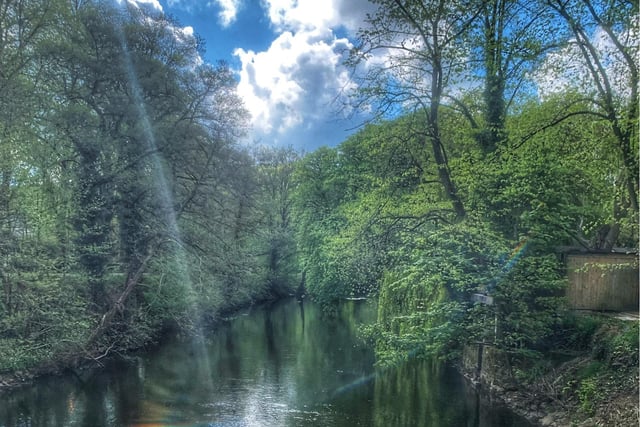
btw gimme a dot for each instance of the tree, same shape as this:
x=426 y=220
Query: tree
x=25 y=159
x=275 y=167
x=125 y=201
x=318 y=193
x=149 y=126
x=508 y=40
x=422 y=49
x=605 y=36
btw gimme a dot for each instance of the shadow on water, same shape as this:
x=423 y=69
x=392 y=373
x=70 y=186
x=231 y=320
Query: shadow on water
x=283 y=365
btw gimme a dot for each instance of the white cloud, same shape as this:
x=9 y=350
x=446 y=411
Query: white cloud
x=187 y=31
x=567 y=69
x=155 y=4
x=176 y=3
x=300 y=15
x=226 y=16
x=292 y=84
x=290 y=88
x=229 y=11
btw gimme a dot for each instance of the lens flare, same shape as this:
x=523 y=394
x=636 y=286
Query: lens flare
x=515 y=255
x=162 y=188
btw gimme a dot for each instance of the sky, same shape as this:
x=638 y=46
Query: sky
x=287 y=56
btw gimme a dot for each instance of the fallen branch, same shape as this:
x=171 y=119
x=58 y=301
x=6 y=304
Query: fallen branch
x=133 y=278
x=103 y=355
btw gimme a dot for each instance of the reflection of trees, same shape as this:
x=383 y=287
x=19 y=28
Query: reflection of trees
x=96 y=399
x=179 y=376
x=329 y=355
x=417 y=392
x=429 y=394
x=301 y=304
x=259 y=368
x=43 y=406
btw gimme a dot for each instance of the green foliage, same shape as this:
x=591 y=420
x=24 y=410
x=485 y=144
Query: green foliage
x=423 y=302
x=578 y=331
x=375 y=196
x=617 y=343
x=528 y=302
x=587 y=394
x=275 y=169
x=169 y=294
x=125 y=205
x=329 y=251
x=46 y=321
x=429 y=326
x=430 y=300
x=610 y=368
x=625 y=346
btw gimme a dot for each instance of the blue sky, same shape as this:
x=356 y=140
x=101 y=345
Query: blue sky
x=287 y=55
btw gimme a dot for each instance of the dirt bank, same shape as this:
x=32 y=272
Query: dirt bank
x=597 y=385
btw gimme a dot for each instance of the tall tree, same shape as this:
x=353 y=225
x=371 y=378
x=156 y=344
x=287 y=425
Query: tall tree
x=149 y=125
x=508 y=39
x=25 y=157
x=421 y=52
x=605 y=35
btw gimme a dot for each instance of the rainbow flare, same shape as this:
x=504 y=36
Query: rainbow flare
x=515 y=255
x=510 y=262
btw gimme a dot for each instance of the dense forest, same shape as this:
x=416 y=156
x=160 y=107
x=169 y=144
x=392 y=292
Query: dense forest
x=474 y=191
x=126 y=203
x=503 y=131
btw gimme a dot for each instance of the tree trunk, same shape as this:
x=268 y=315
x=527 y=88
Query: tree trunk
x=433 y=122
x=445 y=178
x=494 y=85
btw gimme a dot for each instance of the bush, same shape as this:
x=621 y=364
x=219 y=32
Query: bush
x=587 y=394
x=52 y=324
x=583 y=328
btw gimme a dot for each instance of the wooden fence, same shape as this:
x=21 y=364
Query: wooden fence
x=603 y=281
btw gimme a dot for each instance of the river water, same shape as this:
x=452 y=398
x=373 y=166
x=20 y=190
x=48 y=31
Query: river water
x=282 y=365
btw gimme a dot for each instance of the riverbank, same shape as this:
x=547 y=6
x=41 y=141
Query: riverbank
x=81 y=361
x=595 y=386
x=616 y=406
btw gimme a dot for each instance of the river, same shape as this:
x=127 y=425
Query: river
x=279 y=365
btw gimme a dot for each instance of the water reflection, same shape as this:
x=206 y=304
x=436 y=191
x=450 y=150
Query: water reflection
x=286 y=365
